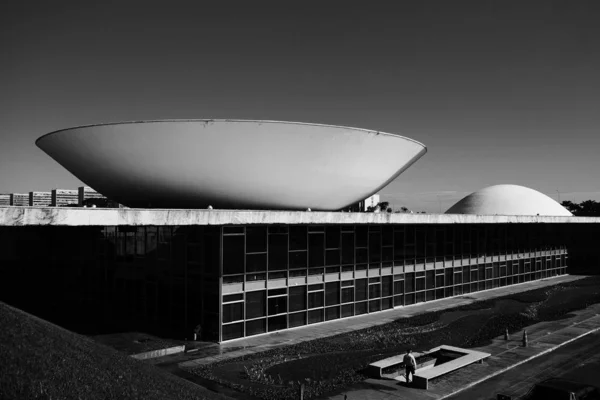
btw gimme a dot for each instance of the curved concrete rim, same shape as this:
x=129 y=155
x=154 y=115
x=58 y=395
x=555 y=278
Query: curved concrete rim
x=206 y=120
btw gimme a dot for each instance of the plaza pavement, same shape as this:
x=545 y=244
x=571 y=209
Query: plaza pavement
x=543 y=338
x=208 y=353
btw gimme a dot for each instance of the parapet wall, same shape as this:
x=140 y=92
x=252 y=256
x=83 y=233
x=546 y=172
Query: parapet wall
x=58 y=216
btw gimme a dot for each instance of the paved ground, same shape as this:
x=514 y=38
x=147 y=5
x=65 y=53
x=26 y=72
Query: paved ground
x=210 y=352
x=578 y=360
x=544 y=337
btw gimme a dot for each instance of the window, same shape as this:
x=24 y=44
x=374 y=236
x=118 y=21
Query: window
x=297 y=298
x=277 y=305
x=256 y=304
x=298 y=240
x=332 y=293
x=386 y=286
x=315 y=299
x=316 y=250
x=233 y=312
x=255 y=262
x=256 y=239
x=233 y=331
x=360 y=289
x=233 y=255
x=255 y=327
x=347 y=295
x=278 y=252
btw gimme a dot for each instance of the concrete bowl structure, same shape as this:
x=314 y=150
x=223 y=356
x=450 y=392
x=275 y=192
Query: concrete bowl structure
x=232 y=163
x=508 y=200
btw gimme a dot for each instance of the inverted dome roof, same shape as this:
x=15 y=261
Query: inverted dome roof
x=232 y=163
x=508 y=200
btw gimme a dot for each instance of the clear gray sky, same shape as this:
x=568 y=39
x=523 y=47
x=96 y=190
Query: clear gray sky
x=499 y=91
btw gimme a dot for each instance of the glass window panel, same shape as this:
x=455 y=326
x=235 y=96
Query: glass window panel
x=374 y=305
x=360 y=286
x=315 y=316
x=348 y=295
x=278 y=252
x=256 y=262
x=409 y=282
x=233 y=255
x=297 y=319
x=316 y=286
x=398 y=245
x=233 y=312
x=315 y=299
x=439 y=281
x=374 y=247
x=360 y=308
x=430 y=279
x=374 y=291
x=278 y=275
x=256 y=327
x=233 y=229
x=332 y=257
x=277 y=292
x=277 y=323
x=297 y=273
x=420 y=284
x=399 y=287
x=332 y=313
x=332 y=237
x=361 y=256
x=386 y=286
x=316 y=250
x=347 y=248
x=298 y=259
x=387 y=254
x=362 y=234
x=347 y=310
x=332 y=293
x=398 y=301
x=297 y=298
x=233 y=297
x=256 y=239
x=277 y=305
x=387 y=235
x=298 y=240
x=256 y=304
x=233 y=331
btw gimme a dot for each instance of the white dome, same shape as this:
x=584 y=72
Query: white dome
x=508 y=200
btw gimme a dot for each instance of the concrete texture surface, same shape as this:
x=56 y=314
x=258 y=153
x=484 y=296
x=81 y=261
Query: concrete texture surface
x=59 y=216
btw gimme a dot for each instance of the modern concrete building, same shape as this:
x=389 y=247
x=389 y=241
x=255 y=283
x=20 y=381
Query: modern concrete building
x=508 y=200
x=232 y=163
x=240 y=273
x=19 y=199
x=243 y=273
x=64 y=197
x=43 y=199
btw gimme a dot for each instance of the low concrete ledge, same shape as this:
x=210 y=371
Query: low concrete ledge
x=61 y=216
x=424 y=375
x=159 y=353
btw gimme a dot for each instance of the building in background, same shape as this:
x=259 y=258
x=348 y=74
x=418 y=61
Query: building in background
x=19 y=199
x=42 y=199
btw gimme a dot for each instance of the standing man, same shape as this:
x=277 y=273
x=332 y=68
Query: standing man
x=410 y=364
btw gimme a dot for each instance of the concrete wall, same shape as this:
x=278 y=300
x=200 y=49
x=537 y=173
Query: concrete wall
x=17 y=216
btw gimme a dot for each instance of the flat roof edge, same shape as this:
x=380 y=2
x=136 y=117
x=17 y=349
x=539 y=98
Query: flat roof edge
x=61 y=216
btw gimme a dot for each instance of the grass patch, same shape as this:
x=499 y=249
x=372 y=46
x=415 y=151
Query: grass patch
x=39 y=360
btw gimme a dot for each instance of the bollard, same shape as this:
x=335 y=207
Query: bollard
x=302 y=391
x=506 y=337
x=525 y=338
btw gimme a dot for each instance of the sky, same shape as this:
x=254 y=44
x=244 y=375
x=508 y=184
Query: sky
x=499 y=91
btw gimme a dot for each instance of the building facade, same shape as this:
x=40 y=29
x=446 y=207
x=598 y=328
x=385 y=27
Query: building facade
x=241 y=274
